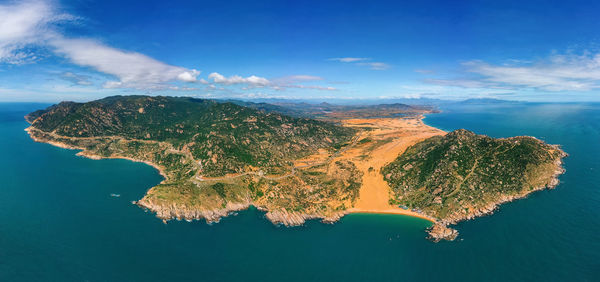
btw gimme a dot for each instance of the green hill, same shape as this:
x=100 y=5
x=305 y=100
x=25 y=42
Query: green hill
x=215 y=157
x=224 y=137
x=462 y=175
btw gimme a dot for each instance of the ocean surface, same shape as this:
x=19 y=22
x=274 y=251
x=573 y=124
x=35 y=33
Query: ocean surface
x=59 y=222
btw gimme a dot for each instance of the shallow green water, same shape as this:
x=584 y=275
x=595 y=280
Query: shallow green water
x=58 y=221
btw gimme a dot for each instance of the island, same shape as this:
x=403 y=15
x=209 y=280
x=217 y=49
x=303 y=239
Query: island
x=298 y=161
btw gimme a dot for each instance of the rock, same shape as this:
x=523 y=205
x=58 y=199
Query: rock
x=440 y=231
x=176 y=212
x=296 y=219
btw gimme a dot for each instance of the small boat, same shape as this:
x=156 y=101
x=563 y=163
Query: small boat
x=115 y=195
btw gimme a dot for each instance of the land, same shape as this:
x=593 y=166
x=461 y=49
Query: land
x=462 y=175
x=382 y=140
x=301 y=162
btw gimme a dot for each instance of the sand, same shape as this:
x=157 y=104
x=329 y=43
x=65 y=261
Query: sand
x=394 y=136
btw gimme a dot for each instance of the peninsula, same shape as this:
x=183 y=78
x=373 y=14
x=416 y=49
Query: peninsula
x=302 y=161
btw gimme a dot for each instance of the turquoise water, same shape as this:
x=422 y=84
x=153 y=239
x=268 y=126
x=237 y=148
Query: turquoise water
x=58 y=221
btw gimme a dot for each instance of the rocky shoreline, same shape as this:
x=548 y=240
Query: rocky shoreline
x=85 y=153
x=286 y=218
x=277 y=217
x=438 y=231
x=166 y=213
x=171 y=212
x=441 y=231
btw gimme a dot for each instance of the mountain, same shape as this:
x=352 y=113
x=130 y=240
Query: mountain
x=327 y=111
x=487 y=101
x=236 y=136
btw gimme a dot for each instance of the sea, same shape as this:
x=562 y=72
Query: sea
x=68 y=218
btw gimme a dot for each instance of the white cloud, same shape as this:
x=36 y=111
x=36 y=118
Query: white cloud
x=278 y=84
x=559 y=72
x=465 y=83
x=25 y=24
x=30 y=24
x=77 y=79
x=362 y=62
x=294 y=79
x=189 y=76
x=299 y=86
x=375 y=65
x=236 y=79
x=133 y=70
x=255 y=80
x=301 y=78
x=424 y=71
x=349 y=59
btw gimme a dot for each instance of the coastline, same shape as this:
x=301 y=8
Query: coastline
x=374 y=187
x=393 y=211
x=212 y=216
x=87 y=154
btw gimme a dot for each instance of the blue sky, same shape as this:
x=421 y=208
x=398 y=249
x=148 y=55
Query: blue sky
x=83 y=50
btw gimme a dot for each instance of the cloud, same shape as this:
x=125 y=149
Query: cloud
x=424 y=71
x=301 y=78
x=293 y=79
x=236 y=79
x=278 y=84
x=29 y=25
x=558 y=72
x=464 y=83
x=349 y=59
x=133 y=70
x=299 y=86
x=189 y=76
x=362 y=62
x=375 y=65
x=76 y=79
x=23 y=25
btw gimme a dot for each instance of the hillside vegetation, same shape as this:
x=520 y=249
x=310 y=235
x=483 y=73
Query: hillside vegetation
x=215 y=157
x=222 y=137
x=462 y=174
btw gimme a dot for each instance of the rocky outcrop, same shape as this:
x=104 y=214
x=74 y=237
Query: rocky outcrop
x=169 y=212
x=440 y=231
x=279 y=217
x=286 y=218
